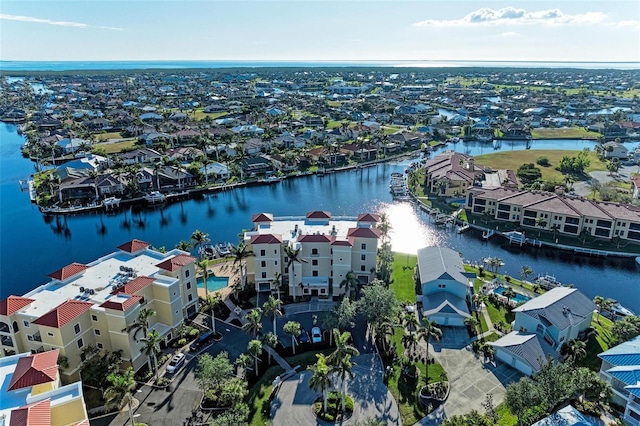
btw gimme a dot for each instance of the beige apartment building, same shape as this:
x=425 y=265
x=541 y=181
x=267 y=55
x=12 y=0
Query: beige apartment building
x=92 y=304
x=329 y=248
x=559 y=213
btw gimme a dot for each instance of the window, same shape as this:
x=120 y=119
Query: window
x=363 y=257
x=442 y=286
x=96 y=331
x=363 y=246
x=94 y=318
x=80 y=343
x=314 y=252
x=275 y=252
x=190 y=297
x=175 y=293
x=76 y=328
x=186 y=273
x=314 y=273
x=275 y=263
x=100 y=346
x=50 y=334
x=263 y=264
x=323 y=291
x=189 y=285
x=26 y=323
x=263 y=275
x=30 y=338
x=362 y=268
x=314 y=262
x=263 y=252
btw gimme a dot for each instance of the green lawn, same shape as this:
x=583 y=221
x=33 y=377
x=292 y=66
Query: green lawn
x=598 y=342
x=564 y=133
x=112 y=148
x=499 y=314
x=199 y=114
x=403 y=283
x=100 y=137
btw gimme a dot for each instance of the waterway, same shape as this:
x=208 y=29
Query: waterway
x=33 y=245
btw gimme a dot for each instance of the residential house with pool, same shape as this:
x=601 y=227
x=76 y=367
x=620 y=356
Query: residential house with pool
x=93 y=303
x=541 y=326
x=328 y=249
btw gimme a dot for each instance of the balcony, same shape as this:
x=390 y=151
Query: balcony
x=6 y=341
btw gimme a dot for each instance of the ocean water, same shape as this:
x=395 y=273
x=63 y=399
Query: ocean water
x=177 y=64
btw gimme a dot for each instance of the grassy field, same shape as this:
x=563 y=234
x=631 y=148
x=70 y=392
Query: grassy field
x=101 y=137
x=199 y=114
x=514 y=159
x=112 y=148
x=564 y=133
x=403 y=283
x=598 y=342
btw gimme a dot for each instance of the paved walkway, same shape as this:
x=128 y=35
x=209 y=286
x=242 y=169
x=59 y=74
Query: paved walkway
x=292 y=404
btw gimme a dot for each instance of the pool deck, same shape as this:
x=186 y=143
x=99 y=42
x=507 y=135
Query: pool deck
x=224 y=269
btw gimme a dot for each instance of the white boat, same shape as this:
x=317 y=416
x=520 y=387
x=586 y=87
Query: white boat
x=272 y=179
x=111 y=203
x=547 y=281
x=224 y=249
x=155 y=197
x=616 y=310
x=462 y=228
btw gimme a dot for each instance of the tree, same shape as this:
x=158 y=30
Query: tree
x=321 y=379
x=343 y=348
x=601 y=303
x=119 y=393
x=183 y=245
x=378 y=305
x=410 y=321
x=345 y=314
x=254 y=348
x=342 y=368
x=293 y=257
x=212 y=372
x=349 y=283
x=409 y=341
x=203 y=265
x=209 y=305
x=199 y=238
x=240 y=254
x=270 y=340
x=253 y=326
x=472 y=324
x=625 y=329
x=429 y=331
x=97 y=366
x=525 y=272
x=528 y=173
x=292 y=328
x=140 y=324
x=509 y=294
x=272 y=308
x=574 y=350
x=541 y=222
x=242 y=362
x=151 y=348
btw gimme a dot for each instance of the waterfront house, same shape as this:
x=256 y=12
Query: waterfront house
x=32 y=393
x=140 y=156
x=615 y=150
x=329 y=248
x=621 y=369
x=71 y=145
x=91 y=304
x=541 y=326
x=257 y=166
x=451 y=173
x=446 y=287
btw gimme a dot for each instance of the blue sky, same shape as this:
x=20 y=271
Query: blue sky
x=562 y=30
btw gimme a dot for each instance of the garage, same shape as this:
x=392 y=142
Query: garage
x=513 y=361
x=448 y=320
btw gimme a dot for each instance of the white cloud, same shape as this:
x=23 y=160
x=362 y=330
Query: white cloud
x=50 y=22
x=510 y=14
x=508 y=34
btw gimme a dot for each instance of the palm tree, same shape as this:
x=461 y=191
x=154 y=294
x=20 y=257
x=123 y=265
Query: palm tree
x=272 y=308
x=141 y=323
x=270 y=340
x=243 y=361
x=429 y=331
x=409 y=341
x=151 y=348
x=278 y=283
x=240 y=253
x=526 y=272
x=209 y=305
x=384 y=226
x=410 y=321
x=254 y=322
x=541 y=222
x=292 y=328
x=602 y=304
x=342 y=369
x=509 y=294
x=349 y=283
x=343 y=348
x=255 y=349
x=321 y=379
x=293 y=258
x=183 y=245
x=199 y=238
x=203 y=264
x=119 y=393
x=574 y=350
x=472 y=323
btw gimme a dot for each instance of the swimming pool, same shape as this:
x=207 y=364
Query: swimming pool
x=518 y=298
x=214 y=283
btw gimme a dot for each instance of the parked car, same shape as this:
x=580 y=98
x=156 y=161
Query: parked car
x=176 y=362
x=304 y=336
x=202 y=340
x=316 y=335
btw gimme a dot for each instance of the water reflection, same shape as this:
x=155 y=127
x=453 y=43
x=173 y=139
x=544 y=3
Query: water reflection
x=409 y=233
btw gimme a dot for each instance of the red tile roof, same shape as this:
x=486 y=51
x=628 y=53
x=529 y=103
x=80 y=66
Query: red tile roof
x=122 y=304
x=368 y=217
x=262 y=217
x=133 y=246
x=319 y=215
x=341 y=243
x=35 y=369
x=68 y=271
x=266 y=239
x=134 y=285
x=364 y=233
x=64 y=313
x=36 y=414
x=13 y=304
x=176 y=262
x=315 y=238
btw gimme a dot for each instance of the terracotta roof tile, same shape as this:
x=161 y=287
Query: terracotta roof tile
x=364 y=233
x=319 y=215
x=262 y=217
x=36 y=414
x=266 y=239
x=315 y=238
x=176 y=262
x=64 y=313
x=12 y=304
x=35 y=369
x=133 y=246
x=122 y=304
x=68 y=271
x=368 y=217
x=341 y=243
x=134 y=285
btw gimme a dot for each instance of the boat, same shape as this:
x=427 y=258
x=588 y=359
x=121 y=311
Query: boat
x=547 y=281
x=111 y=203
x=463 y=228
x=155 y=197
x=616 y=311
x=271 y=179
x=209 y=251
x=224 y=249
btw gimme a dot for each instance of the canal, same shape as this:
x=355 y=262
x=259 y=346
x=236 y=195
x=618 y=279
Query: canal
x=33 y=245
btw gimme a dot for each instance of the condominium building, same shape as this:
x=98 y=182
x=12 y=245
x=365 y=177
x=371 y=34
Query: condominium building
x=92 y=304
x=32 y=394
x=553 y=212
x=328 y=249
x=451 y=174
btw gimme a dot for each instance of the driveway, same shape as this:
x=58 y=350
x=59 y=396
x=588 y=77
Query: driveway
x=372 y=399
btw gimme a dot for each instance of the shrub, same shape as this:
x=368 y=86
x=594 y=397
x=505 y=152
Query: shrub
x=543 y=161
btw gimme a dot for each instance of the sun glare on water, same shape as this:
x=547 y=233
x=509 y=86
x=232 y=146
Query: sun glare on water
x=408 y=233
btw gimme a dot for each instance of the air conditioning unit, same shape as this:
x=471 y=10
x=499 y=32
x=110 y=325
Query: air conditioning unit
x=81 y=289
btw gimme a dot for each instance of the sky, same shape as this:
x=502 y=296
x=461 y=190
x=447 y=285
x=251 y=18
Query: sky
x=302 y=30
